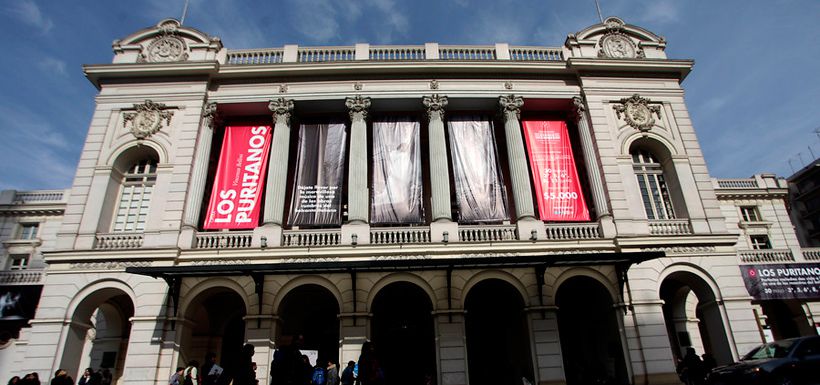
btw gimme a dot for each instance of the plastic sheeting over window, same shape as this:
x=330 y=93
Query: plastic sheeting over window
x=480 y=192
x=320 y=160
x=396 y=188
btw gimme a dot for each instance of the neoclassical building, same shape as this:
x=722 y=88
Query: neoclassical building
x=482 y=214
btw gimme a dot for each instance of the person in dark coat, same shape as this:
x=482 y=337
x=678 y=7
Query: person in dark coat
x=370 y=369
x=61 y=378
x=690 y=369
x=245 y=375
x=287 y=367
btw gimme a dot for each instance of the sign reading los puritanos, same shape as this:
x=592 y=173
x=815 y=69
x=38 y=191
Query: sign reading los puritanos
x=791 y=281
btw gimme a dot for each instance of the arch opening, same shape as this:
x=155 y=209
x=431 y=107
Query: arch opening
x=403 y=334
x=217 y=325
x=311 y=311
x=591 y=343
x=498 y=350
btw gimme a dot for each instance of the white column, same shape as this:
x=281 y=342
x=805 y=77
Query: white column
x=196 y=189
x=519 y=172
x=357 y=191
x=442 y=228
x=591 y=157
x=275 y=186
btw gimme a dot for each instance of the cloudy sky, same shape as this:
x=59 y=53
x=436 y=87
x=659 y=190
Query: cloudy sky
x=754 y=95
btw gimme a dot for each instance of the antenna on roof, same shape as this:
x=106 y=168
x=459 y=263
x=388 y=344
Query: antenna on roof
x=598 y=7
x=185 y=11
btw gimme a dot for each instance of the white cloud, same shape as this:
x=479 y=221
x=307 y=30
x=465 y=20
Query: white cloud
x=28 y=12
x=52 y=66
x=661 y=12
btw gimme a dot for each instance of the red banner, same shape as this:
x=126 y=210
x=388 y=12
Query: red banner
x=553 y=167
x=240 y=177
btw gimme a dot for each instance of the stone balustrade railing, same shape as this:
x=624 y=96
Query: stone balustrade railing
x=311 y=238
x=811 y=253
x=117 y=241
x=366 y=52
x=766 y=255
x=488 y=233
x=399 y=235
x=224 y=240
x=737 y=183
x=571 y=231
x=42 y=196
x=21 y=277
x=670 y=227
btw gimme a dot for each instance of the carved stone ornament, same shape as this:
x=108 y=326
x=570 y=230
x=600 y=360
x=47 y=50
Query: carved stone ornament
x=580 y=107
x=357 y=86
x=167 y=48
x=511 y=104
x=433 y=84
x=210 y=114
x=281 y=109
x=435 y=105
x=615 y=44
x=283 y=88
x=508 y=85
x=637 y=112
x=147 y=120
x=358 y=106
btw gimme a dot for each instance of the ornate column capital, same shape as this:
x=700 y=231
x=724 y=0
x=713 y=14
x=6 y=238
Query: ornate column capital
x=210 y=115
x=511 y=106
x=435 y=105
x=281 y=109
x=357 y=106
x=579 y=107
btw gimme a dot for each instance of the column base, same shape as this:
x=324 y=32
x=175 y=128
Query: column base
x=608 y=229
x=444 y=229
x=529 y=228
x=272 y=234
x=187 y=237
x=361 y=232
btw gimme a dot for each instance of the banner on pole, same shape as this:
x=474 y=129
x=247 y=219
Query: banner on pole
x=557 y=187
x=240 y=177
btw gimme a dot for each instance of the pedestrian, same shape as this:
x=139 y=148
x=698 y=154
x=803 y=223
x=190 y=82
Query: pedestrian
x=286 y=367
x=348 y=376
x=332 y=373
x=190 y=376
x=14 y=380
x=370 y=370
x=61 y=378
x=176 y=377
x=85 y=379
x=245 y=375
x=105 y=377
x=319 y=374
x=690 y=369
x=210 y=371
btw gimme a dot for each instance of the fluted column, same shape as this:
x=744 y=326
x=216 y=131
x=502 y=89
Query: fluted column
x=439 y=176
x=590 y=156
x=278 y=162
x=196 y=189
x=519 y=172
x=357 y=191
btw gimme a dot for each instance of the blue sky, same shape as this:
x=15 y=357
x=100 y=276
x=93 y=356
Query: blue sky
x=753 y=95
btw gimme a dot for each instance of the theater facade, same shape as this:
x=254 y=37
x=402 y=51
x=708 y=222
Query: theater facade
x=482 y=214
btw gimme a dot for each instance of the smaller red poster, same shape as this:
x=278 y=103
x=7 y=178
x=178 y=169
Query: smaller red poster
x=553 y=170
x=240 y=177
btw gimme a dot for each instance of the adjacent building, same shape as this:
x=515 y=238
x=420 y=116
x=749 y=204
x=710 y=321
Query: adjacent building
x=482 y=214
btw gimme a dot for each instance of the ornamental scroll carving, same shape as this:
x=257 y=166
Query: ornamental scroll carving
x=435 y=106
x=167 y=47
x=357 y=107
x=210 y=114
x=637 y=112
x=147 y=119
x=617 y=45
x=511 y=106
x=282 y=109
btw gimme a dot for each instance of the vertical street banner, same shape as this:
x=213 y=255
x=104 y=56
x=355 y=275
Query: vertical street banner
x=557 y=186
x=396 y=186
x=240 y=177
x=320 y=165
x=782 y=281
x=480 y=190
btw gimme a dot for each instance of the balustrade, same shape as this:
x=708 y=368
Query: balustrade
x=245 y=57
x=399 y=235
x=326 y=54
x=389 y=53
x=311 y=238
x=766 y=255
x=117 y=241
x=55 y=196
x=21 y=277
x=486 y=233
x=224 y=240
x=670 y=227
x=567 y=231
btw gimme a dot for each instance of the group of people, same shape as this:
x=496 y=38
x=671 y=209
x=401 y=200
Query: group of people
x=244 y=372
x=61 y=377
x=291 y=367
x=693 y=370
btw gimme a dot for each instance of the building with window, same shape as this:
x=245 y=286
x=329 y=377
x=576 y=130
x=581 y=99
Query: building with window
x=486 y=213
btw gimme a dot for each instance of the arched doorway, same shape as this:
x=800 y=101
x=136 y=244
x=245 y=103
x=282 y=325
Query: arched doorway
x=498 y=351
x=693 y=317
x=590 y=339
x=98 y=334
x=311 y=311
x=217 y=325
x=786 y=318
x=402 y=331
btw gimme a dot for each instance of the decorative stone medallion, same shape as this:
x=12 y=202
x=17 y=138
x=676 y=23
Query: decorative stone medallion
x=637 y=112
x=166 y=49
x=615 y=44
x=147 y=120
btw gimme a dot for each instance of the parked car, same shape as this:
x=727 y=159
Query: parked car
x=794 y=361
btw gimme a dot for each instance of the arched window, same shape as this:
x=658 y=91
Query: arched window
x=654 y=191
x=135 y=196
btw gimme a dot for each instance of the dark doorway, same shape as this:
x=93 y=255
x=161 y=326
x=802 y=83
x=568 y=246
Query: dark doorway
x=786 y=318
x=402 y=331
x=498 y=351
x=313 y=312
x=218 y=326
x=590 y=341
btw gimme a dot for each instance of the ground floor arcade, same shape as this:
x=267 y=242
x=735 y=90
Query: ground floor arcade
x=572 y=319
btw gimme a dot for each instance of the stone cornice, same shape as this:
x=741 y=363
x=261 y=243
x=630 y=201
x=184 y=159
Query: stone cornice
x=678 y=68
x=97 y=72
